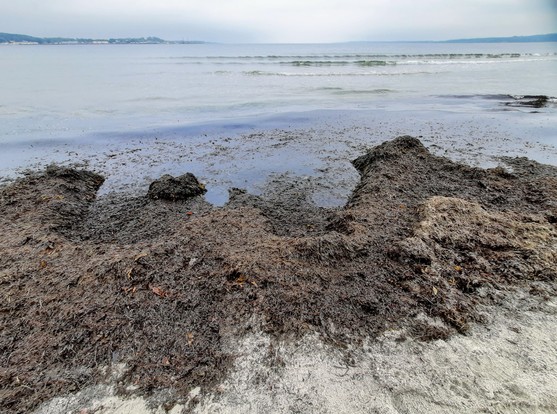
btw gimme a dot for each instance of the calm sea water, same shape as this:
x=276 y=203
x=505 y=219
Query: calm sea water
x=51 y=92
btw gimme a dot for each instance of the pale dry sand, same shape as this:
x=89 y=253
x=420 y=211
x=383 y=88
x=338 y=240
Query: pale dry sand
x=508 y=365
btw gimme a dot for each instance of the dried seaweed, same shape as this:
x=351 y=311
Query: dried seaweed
x=161 y=286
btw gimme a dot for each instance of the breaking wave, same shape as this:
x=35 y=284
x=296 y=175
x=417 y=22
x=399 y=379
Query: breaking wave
x=338 y=63
x=365 y=60
x=335 y=74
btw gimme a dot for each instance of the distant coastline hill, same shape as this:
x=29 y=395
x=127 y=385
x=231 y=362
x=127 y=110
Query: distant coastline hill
x=551 y=37
x=32 y=40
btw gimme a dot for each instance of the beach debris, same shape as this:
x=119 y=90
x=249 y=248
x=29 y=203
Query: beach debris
x=129 y=289
x=346 y=274
x=176 y=188
x=140 y=256
x=532 y=101
x=158 y=291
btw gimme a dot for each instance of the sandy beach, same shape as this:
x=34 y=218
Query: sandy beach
x=278 y=207
x=400 y=282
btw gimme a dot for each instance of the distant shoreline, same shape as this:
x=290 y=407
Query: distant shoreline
x=551 y=37
x=20 y=39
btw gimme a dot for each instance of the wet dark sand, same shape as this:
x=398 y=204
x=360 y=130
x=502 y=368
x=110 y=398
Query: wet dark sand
x=314 y=148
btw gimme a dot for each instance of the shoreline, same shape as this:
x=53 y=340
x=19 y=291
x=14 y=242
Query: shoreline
x=315 y=146
x=232 y=229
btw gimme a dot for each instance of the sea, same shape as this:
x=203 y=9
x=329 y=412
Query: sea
x=82 y=94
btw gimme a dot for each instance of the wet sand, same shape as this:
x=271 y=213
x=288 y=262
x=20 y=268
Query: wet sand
x=314 y=147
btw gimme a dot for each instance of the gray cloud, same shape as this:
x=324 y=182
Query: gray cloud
x=281 y=20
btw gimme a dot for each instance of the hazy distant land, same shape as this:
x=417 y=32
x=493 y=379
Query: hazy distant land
x=32 y=40
x=551 y=37
x=8 y=38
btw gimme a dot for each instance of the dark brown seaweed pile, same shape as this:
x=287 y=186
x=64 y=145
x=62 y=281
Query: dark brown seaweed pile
x=162 y=285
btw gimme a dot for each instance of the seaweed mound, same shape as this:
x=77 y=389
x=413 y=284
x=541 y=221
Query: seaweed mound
x=532 y=101
x=176 y=188
x=163 y=286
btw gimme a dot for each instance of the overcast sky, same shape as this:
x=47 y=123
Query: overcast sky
x=279 y=20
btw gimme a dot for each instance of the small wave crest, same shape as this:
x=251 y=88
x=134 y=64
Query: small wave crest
x=374 y=63
x=316 y=63
x=338 y=63
x=508 y=100
x=380 y=91
x=336 y=74
x=367 y=59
